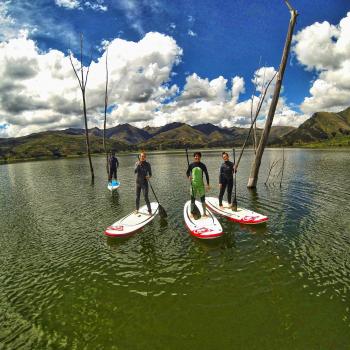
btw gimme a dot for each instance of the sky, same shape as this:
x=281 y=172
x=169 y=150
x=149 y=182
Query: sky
x=168 y=61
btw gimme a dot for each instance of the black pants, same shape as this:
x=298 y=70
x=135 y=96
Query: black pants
x=203 y=204
x=229 y=185
x=144 y=188
x=112 y=174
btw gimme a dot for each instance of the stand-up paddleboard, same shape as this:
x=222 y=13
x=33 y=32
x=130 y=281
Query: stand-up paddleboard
x=205 y=227
x=242 y=216
x=132 y=222
x=113 y=185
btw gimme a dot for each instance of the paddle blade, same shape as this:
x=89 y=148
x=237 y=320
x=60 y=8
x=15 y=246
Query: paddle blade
x=195 y=212
x=162 y=212
x=234 y=206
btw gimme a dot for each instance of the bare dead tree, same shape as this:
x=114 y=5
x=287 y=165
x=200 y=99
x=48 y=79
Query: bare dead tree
x=251 y=108
x=274 y=163
x=282 y=169
x=254 y=172
x=105 y=112
x=261 y=100
x=82 y=83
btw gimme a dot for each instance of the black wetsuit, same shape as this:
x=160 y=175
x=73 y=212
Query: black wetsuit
x=142 y=170
x=113 y=165
x=226 y=180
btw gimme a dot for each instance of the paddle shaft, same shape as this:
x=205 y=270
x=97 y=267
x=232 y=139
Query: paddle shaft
x=153 y=191
x=235 y=170
x=188 y=163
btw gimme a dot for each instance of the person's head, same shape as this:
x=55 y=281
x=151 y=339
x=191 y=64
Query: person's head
x=113 y=153
x=197 y=156
x=225 y=156
x=142 y=156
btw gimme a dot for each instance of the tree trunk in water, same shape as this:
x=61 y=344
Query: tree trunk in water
x=87 y=137
x=105 y=116
x=254 y=172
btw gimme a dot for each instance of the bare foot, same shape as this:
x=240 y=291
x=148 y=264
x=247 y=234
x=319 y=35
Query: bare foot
x=136 y=212
x=221 y=206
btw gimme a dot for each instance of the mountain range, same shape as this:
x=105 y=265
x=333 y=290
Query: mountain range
x=320 y=127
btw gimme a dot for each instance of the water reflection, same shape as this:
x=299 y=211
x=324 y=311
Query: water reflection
x=58 y=272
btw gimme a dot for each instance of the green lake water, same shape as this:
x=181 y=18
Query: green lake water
x=280 y=285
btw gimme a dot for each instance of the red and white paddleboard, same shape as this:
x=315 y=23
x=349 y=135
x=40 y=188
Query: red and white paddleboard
x=132 y=222
x=242 y=216
x=206 y=227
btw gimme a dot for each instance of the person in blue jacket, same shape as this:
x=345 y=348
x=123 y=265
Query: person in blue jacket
x=113 y=165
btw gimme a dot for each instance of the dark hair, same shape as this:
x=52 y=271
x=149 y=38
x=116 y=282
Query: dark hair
x=197 y=153
x=224 y=153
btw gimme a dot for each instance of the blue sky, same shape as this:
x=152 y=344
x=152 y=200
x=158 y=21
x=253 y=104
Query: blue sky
x=207 y=40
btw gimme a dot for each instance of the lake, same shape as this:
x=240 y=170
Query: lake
x=280 y=285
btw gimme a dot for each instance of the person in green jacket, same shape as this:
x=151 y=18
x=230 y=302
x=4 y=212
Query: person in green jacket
x=195 y=173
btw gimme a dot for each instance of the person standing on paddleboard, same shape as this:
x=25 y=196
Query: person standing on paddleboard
x=195 y=174
x=143 y=172
x=226 y=178
x=113 y=166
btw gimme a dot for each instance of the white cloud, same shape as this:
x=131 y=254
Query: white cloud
x=69 y=4
x=325 y=49
x=197 y=88
x=96 y=6
x=191 y=33
x=237 y=88
x=38 y=90
x=133 y=12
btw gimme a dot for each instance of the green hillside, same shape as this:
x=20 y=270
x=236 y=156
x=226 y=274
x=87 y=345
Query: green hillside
x=53 y=144
x=320 y=127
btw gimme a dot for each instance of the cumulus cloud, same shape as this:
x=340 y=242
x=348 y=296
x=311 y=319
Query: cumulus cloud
x=197 y=88
x=39 y=91
x=324 y=48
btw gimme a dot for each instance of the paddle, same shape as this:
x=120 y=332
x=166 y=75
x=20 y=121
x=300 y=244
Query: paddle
x=195 y=212
x=162 y=212
x=234 y=202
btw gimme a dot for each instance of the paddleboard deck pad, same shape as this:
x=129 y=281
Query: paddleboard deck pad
x=132 y=222
x=113 y=185
x=206 y=227
x=242 y=216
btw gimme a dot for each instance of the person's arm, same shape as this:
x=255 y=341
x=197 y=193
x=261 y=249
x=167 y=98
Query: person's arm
x=137 y=166
x=204 y=168
x=234 y=170
x=221 y=175
x=149 y=170
x=117 y=161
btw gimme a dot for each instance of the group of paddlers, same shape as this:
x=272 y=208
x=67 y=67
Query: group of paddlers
x=195 y=173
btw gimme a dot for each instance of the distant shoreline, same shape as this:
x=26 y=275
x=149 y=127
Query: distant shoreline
x=318 y=146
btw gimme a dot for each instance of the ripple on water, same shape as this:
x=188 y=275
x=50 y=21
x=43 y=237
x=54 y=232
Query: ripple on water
x=61 y=279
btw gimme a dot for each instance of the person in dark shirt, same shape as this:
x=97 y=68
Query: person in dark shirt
x=195 y=173
x=143 y=172
x=226 y=178
x=113 y=166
